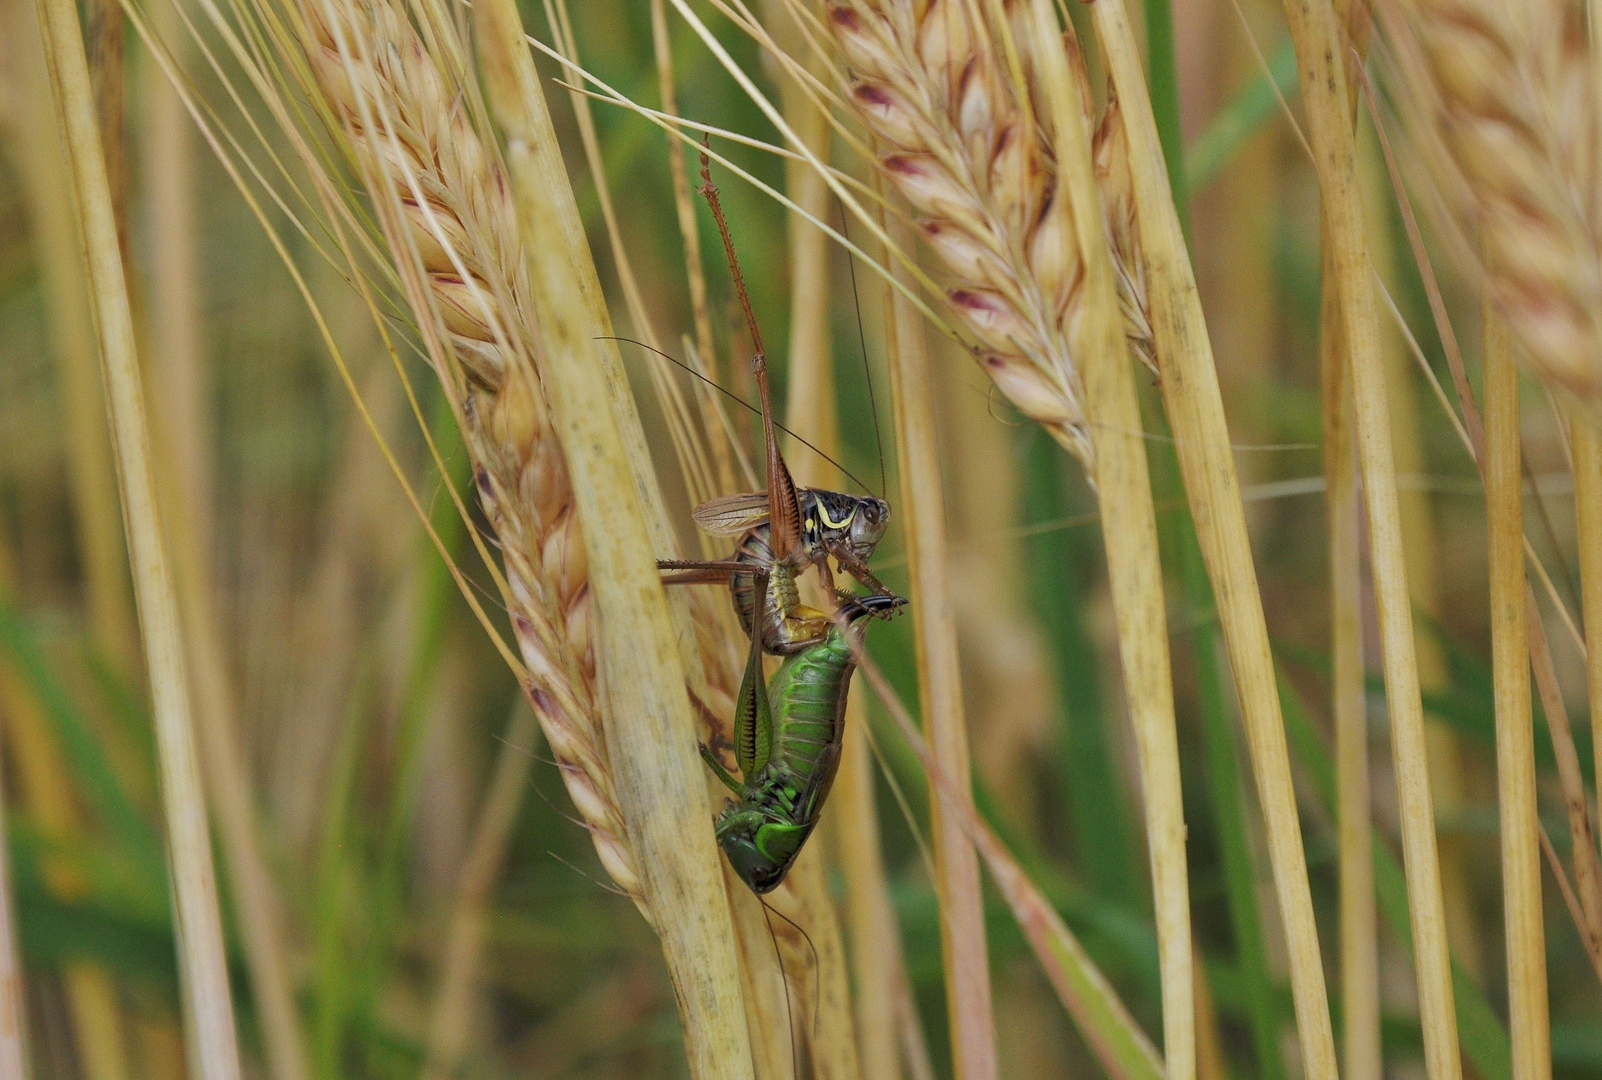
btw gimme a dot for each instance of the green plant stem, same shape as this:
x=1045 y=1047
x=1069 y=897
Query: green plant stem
x=1107 y=851
x=1163 y=82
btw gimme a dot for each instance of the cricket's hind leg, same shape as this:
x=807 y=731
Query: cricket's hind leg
x=694 y=572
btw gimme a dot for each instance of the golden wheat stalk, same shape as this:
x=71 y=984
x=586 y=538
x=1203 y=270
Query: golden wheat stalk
x=412 y=135
x=1515 y=751
x=1508 y=111
x=662 y=785
x=207 y=999
x=1319 y=52
x=998 y=171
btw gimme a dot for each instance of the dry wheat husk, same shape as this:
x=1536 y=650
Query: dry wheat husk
x=1505 y=107
x=952 y=109
x=412 y=133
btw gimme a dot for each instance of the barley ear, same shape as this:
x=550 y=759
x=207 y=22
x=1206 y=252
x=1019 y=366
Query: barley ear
x=1506 y=104
x=443 y=201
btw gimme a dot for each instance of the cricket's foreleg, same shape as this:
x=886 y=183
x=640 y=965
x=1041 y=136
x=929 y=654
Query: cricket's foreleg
x=861 y=572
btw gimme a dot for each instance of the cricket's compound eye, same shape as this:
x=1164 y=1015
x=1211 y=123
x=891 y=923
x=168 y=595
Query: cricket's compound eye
x=869 y=526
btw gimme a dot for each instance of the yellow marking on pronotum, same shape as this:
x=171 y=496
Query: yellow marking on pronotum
x=842 y=523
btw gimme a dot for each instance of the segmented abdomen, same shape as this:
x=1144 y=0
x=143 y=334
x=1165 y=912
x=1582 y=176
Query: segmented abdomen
x=808 y=694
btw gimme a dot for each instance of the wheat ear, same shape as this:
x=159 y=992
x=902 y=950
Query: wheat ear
x=412 y=133
x=1508 y=110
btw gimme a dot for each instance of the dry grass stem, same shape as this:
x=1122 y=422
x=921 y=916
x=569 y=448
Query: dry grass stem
x=208 y=1004
x=1319 y=50
x=1363 y=1058
x=1194 y=406
x=922 y=507
x=1129 y=523
x=185 y=437
x=104 y=34
x=1359 y=922
x=650 y=730
x=1587 y=872
x=1507 y=108
x=1561 y=875
x=1515 y=748
x=1471 y=430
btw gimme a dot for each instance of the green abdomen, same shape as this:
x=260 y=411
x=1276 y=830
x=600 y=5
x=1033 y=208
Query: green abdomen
x=808 y=694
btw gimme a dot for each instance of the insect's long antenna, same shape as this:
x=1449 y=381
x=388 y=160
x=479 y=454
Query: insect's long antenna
x=738 y=400
x=862 y=340
x=789 y=1018
x=817 y=966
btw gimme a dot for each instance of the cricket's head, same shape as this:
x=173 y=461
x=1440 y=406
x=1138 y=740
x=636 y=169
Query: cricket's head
x=759 y=849
x=868 y=528
x=848 y=526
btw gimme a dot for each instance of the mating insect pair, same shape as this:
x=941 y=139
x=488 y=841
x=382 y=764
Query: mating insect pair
x=788 y=733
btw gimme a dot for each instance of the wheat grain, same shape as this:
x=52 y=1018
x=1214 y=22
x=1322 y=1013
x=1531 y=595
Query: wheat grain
x=412 y=133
